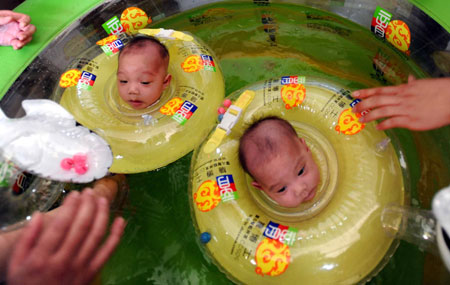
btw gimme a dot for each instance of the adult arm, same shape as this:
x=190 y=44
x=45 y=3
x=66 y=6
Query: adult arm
x=418 y=105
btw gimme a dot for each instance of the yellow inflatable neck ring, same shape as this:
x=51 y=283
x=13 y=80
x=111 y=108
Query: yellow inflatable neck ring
x=337 y=237
x=143 y=140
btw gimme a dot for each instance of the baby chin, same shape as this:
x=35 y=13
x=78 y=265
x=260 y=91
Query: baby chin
x=137 y=104
x=310 y=195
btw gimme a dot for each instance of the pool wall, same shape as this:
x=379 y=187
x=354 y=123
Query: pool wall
x=160 y=244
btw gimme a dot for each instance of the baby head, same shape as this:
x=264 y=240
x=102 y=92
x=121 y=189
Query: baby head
x=279 y=161
x=142 y=73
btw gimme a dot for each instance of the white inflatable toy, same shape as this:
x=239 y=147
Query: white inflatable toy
x=441 y=210
x=47 y=142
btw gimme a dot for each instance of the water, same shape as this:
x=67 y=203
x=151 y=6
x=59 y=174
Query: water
x=255 y=43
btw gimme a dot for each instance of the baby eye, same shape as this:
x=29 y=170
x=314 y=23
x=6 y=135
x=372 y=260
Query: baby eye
x=281 y=190
x=301 y=171
x=145 y=83
x=123 y=81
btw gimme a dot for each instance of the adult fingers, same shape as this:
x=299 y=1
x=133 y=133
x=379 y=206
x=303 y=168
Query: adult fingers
x=96 y=234
x=376 y=102
x=24 y=20
x=389 y=90
x=17 y=44
x=27 y=32
x=26 y=242
x=6 y=13
x=58 y=227
x=394 y=122
x=27 y=40
x=411 y=78
x=5 y=20
x=80 y=227
x=109 y=246
x=23 y=37
x=383 y=112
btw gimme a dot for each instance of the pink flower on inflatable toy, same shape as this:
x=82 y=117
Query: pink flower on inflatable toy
x=77 y=162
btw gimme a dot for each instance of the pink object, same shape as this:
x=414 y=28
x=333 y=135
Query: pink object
x=221 y=110
x=77 y=162
x=66 y=163
x=79 y=158
x=81 y=168
x=227 y=103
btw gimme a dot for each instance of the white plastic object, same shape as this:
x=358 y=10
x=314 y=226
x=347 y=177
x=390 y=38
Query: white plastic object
x=230 y=118
x=47 y=142
x=163 y=33
x=422 y=227
x=441 y=210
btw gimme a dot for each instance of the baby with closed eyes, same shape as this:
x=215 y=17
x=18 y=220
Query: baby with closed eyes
x=142 y=72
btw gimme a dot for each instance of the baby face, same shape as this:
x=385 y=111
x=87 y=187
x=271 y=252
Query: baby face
x=142 y=77
x=291 y=177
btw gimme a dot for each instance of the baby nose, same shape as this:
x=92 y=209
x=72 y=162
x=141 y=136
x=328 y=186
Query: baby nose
x=300 y=189
x=133 y=89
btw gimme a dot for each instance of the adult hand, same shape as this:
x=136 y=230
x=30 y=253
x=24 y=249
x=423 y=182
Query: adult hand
x=418 y=105
x=66 y=249
x=15 y=29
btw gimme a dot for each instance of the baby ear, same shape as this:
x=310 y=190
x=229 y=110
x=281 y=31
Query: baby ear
x=256 y=185
x=167 y=80
x=303 y=143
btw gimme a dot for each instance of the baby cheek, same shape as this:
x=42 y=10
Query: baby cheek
x=122 y=92
x=271 y=195
x=316 y=177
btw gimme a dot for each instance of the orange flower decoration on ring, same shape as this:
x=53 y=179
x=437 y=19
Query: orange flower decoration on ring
x=70 y=78
x=107 y=40
x=192 y=63
x=207 y=196
x=293 y=95
x=272 y=257
x=133 y=19
x=399 y=35
x=348 y=123
x=171 y=107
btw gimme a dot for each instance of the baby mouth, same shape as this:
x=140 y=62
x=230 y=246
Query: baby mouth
x=311 y=195
x=135 y=102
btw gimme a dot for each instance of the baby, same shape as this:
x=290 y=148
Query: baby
x=142 y=73
x=280 y=163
